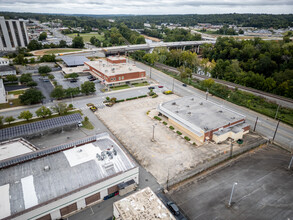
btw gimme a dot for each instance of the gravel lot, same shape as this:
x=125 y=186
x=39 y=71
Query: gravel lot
x=169 y=155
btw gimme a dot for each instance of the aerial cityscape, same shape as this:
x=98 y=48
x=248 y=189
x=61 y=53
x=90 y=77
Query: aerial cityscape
x=142 y=110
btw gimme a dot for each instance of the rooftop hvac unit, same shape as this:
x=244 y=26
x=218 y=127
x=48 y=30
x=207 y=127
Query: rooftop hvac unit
x=174 y=103
x=47 y=168
x=201 y=103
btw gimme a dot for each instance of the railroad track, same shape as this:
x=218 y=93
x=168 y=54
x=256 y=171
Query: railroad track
x=230 y=84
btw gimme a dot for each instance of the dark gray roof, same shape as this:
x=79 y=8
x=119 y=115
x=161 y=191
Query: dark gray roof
x=6 y=68
x=74 y=60
x=39 y=126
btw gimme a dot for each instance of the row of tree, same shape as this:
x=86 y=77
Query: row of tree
x=42 y=112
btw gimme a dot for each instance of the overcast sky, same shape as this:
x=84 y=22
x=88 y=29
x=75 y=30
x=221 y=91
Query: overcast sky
x=148 y=6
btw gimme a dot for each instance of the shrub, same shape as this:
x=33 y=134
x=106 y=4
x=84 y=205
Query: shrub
x=142 y=96
x=171 y=127
x=131 y=98
x=165 y=123
x=178 y=132
x=148 y=112
x=120 y=100
x=187 y=138
x=86 y=118
x=158 y=118
x=155 y=96
x=108 y=98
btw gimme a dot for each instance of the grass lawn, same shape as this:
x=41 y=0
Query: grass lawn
x=36 y=119
x=140 y=84
x=87 y=36
x=61 y=51
x=87 y=125
x=120 y=87
x=15 y=103
x=16 y=92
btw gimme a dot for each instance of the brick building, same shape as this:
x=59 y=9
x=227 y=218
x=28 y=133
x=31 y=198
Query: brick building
x=115 y=71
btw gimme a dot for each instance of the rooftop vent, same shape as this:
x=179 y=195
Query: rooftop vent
x=232 y=117
x=47 y=168
x=189 y=113
x=177 y=111
x=201 y=103
x=173 y=103
x=220 y=111
x=187 y=106
x=192 y=99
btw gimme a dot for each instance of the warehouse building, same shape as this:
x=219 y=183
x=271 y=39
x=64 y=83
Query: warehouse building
x=143 y=204
x=56 y=182
x=13 y=34
x=115 y=71
x=204 y=120
x=73 y=61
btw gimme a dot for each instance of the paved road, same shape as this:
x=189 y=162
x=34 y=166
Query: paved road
x=266 y=126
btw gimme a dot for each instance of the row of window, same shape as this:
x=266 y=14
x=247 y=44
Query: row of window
x=119 y=78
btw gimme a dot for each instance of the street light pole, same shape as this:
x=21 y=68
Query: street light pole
x=277 y=111
x=173 y=86
x=231 y=148
x=276 y=130
x=207 y=94
x=153 y=139
x=255 y=124
x=230 y=200
x=289 y=167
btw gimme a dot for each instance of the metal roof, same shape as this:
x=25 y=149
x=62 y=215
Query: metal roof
x=6 y=68
x=74 y=60
x=39 y=126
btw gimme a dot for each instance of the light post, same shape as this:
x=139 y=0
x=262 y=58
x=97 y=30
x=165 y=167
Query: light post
x=255 y=124
x=291 y=161
x=276 y=130
x=71 y=98
x=173 y=86
x=230 y=200
x=277 y=111
x=153 y=139
x=231 y=148
x=207 y=94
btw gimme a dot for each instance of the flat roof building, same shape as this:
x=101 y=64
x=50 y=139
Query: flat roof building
x=7 y=70
x=72 y=61
x=13 y=34
x=143 y=204
x=56 y=182
x=115 y=73
x=3 y=96
x=116 y=59
x=203 y=119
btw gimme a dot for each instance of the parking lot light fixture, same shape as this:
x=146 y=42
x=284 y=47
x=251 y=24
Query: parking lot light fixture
x=230 y=200
x=154 y=125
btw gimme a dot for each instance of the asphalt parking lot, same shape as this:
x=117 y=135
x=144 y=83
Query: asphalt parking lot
x=45 y=87
x=264 y=189
x=65 y=83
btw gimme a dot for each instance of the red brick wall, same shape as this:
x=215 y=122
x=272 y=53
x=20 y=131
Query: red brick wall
x=116 y=61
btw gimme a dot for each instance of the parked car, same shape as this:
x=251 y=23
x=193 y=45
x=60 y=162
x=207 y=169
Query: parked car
x=46 y=80
x=90 y=77
x=151 y=87
x=73 y=80
x=173 y=208
x=79 y=124
x=184 y=85
x=160 y=86
x=98 y=81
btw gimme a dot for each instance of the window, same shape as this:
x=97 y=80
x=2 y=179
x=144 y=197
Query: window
x=119 y=78
x=122 y=77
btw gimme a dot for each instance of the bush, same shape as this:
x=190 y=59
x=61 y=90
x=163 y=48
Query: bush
x=187 y=138
x=86 y=118
x=158 y=118
x=165 y=123
x=142 y=96
x=121 y=100
x=178 y=132
x=155 y=96
x=131 y=98
x=171 y=127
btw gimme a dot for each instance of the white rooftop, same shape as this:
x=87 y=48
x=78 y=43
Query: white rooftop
x=116 y=58
x=143 y=204
x=110 y=69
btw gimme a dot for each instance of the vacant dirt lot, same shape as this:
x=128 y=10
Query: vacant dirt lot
x=169 y=153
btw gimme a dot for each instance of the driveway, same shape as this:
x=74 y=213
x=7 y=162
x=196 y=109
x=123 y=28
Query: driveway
x=45 y=87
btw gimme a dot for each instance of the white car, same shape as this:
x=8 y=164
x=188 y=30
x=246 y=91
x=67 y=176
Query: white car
x=79 y=124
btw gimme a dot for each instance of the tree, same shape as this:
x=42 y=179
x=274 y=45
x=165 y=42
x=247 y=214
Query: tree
x=77 y=42
x=88 y=87
x=51 y=77
x=1 y=121
x=140 y=40
x=71 y=92
x=60 y=108
x=58 y=92
x=9 y=119
x=62 y=44
x=48 y=58
x=44 y=69
x=34 y=45
x=19 y=59
x=43 y=112
x=31 y=96
x=32 y=84
x=72 y=75
x=25 y=78
x=185 y=72
x=11 y=78
x=43 y=36
x=27 y=115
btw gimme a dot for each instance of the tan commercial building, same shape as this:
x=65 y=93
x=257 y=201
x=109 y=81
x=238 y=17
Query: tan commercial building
x=114 y=71
x=142 y=205
x=56 y=182
x=204 y=120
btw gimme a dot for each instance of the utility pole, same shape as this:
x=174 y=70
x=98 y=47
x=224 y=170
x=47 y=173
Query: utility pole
x=255 y=124
x=276 y=130
x=231 y=148
x=230 y=200
x=207 y=94
x=277 y=111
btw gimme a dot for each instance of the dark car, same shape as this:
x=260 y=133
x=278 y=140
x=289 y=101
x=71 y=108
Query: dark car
x=151 y=87
x=184 y=85
x=92 y=79
x=173 y=208
x=73 y=80
x=160 y=86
